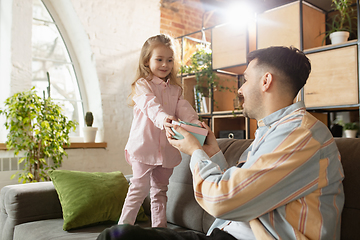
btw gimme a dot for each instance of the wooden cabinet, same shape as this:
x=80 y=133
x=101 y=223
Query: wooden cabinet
x=282 y=27
x=224 y=99
x=229 y=123
x=333 y=80
x=189 y=84
x=229 y=46
x=221 y=113
x=333 y=84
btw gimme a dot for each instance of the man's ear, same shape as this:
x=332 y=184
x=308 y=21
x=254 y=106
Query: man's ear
x=266 y=81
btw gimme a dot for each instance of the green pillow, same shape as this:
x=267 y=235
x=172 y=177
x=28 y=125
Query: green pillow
x=87 y=198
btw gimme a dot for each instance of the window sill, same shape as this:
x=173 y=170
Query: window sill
x=73 y=145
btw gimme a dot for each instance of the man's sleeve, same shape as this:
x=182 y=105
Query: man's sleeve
x=286 y=170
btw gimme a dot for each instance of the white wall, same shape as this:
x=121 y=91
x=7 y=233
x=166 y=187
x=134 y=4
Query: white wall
x=116 y=31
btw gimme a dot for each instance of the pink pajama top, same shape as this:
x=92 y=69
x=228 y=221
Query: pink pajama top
x=154 y=101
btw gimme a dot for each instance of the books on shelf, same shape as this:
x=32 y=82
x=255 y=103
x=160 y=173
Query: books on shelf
x=202 y=103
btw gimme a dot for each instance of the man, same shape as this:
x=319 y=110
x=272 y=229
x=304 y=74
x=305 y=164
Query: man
x=288 y=183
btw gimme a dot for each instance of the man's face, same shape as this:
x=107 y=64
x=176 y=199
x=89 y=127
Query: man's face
x=251 y=91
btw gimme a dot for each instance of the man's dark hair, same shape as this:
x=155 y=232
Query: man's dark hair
x=291 y=62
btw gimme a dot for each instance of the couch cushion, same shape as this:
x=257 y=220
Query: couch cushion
x=52 y=229
x=88 y=198
x=233 y=148
x=182 y=208
x=349 y=149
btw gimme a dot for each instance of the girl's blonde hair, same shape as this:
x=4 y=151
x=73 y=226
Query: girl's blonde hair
x=144 y=71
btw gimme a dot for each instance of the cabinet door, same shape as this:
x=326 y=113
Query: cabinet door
x=229 y=46
x=281 y=26
x=333 y=80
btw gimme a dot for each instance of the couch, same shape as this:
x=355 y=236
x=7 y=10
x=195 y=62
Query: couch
x=33 y=211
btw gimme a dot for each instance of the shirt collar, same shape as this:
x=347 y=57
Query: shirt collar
x=275 y=116
x=159 y=81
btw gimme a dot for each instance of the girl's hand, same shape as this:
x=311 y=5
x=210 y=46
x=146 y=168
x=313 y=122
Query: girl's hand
x=167 y=125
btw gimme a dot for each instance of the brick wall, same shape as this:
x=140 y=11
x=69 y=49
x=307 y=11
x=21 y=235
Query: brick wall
x=181 y=17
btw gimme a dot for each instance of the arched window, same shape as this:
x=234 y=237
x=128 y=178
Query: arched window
x=50 y=55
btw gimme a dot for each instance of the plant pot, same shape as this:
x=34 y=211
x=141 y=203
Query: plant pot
x=89 y=134
x=339 y=37
x=350 y=133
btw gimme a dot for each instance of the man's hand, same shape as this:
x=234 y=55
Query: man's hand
x=187 y=145
x=210 y=146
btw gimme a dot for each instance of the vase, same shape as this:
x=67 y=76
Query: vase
x=350 y=133
x=339 y=37
x=89 y=134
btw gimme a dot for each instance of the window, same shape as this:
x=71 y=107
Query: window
x=50 y=55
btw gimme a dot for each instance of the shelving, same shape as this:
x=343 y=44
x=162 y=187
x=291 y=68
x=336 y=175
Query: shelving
x=222 y=115
x=333 y=85
x=188 y=83
x=229 y=46
x=334 y=78
x=282 y=26
x=228 y=123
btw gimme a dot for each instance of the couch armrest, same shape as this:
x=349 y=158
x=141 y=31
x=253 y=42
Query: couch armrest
x=26 y=203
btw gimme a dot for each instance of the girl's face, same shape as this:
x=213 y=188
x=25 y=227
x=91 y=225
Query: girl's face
x=161 y=61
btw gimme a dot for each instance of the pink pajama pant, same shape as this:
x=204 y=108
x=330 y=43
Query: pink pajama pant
x=147 y=178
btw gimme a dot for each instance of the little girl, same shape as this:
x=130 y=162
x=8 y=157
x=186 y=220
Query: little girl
x=157 y=100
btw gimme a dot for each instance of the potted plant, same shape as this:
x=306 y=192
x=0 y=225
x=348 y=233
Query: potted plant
x=38 y=128
x=340 y=25
x=206 y=79
x=89 y=130
x=350 y=129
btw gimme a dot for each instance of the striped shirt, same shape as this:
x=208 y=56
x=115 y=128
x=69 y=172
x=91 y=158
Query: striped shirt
x=288 y=186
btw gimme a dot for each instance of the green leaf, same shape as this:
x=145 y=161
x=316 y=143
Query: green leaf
x=21 y=160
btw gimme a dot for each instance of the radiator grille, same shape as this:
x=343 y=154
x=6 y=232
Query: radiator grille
x=11 y=164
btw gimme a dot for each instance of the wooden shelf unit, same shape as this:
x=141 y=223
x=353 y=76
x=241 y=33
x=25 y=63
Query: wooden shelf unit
x=333 y=83
x=334 y=78
x=281 y=26
x=229 y=64
x=228 y=123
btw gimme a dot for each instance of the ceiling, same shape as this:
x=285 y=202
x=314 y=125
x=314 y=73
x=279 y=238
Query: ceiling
x=263 y=5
